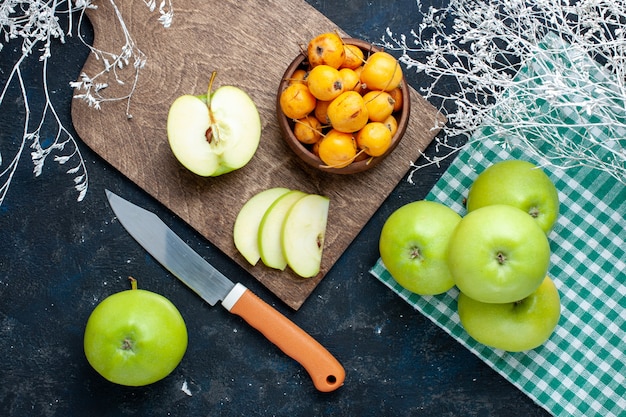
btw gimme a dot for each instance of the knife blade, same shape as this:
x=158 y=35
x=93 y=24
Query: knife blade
x=205 y=280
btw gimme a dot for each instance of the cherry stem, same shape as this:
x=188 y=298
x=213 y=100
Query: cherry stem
x=341 y=164
x=305 y=124
x=303 y=50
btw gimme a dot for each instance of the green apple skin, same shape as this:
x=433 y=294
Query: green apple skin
x=235 y=125
x=135 y=338
x=520 y=184
x=270 y=230
x=246 y=228
x=514 y=327
x=498 y=254
x=413 y=246
x=303 y=233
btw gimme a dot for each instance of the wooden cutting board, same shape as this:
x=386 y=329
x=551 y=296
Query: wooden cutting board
x=250 y=43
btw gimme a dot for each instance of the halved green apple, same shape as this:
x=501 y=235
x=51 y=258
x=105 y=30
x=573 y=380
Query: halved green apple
x=246 y=229
x=269 y=235
x=303 y=232
x=214 y=133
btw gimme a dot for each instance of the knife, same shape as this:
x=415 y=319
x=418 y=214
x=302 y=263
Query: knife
x=188 y=266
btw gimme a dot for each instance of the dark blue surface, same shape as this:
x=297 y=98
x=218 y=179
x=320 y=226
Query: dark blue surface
x=60 y=257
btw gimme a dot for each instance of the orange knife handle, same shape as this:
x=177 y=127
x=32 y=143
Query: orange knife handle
x=325 y=371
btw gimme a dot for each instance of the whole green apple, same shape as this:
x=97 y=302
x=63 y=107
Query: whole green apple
x=413 y=246
x=517 y=183
x=135 y=337
x=516 y=326
x=498 y=254
x=216 y=133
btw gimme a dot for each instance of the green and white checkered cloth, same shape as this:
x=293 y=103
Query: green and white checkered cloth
x=580 y=370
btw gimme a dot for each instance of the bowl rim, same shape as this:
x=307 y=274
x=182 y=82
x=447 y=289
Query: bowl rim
x=303 y=153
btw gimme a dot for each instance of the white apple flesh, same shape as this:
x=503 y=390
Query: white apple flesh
x=516 y=326
x=270 y=230
x=246 y=228
x=214 y=135
x=520 y=184
x=498 y=254
x=303 y=232
x=413 y=246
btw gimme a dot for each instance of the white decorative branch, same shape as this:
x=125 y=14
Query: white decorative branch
x=36 y=24
x=472 y=50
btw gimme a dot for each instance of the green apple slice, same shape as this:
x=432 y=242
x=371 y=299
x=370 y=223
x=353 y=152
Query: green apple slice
x=269 y=236
x=214 y=134
x=246 y=229
x=303 y=232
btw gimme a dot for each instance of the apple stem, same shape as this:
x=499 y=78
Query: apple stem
x=210 y=134
x=415 y=253
x=127 y=344
x=133 y=283
x=501 y=258
x=210 y=88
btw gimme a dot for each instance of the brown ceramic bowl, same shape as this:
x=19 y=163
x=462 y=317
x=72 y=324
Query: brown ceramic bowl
x=304 y=152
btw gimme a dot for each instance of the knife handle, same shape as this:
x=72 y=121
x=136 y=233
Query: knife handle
x=325 y=371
